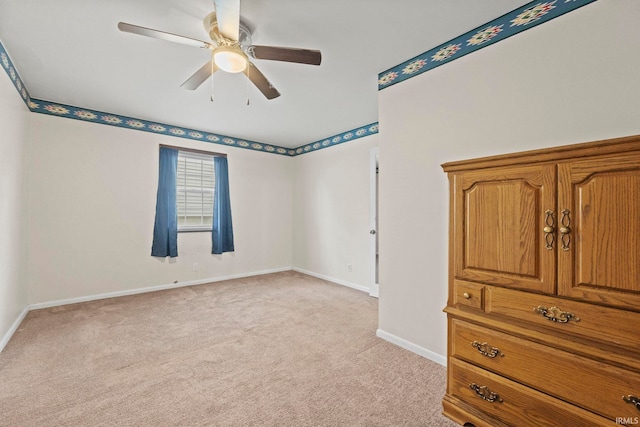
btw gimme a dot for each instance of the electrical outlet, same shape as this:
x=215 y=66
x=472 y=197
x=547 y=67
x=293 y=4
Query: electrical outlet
x=349 y=268
x=195 y=266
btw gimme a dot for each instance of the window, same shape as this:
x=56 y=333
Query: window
x=193 y=195
x=195 y=183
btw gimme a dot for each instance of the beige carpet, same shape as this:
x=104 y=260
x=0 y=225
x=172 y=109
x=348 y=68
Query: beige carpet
x=283 y=349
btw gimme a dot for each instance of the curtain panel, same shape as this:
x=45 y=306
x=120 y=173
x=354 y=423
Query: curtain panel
x=165 y=229
x=222 y=229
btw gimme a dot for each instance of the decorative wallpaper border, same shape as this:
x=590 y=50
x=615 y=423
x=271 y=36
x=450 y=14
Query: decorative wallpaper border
x=514 y=22
x=99 y=117
x=339 y=138
x=13 y=75
x=87 y=115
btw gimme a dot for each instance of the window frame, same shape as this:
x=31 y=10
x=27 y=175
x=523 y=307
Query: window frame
x=198 y=155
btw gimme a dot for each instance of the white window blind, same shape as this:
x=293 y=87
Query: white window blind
x=195 y=186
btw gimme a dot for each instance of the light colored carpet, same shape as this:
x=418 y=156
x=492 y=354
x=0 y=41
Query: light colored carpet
x=282 y=349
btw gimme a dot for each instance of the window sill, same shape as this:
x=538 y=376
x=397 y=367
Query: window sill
x=196 y=230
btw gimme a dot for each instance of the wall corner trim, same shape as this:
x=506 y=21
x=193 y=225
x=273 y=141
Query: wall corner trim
x=333 y=280
x=115 y=294
x=414 y=348
x=14 y=327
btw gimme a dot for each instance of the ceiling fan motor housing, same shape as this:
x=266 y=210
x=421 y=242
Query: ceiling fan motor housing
x=211 y=27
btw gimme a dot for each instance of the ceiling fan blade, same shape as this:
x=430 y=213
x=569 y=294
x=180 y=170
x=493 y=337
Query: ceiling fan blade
x=260 y=81
x=286 y=54
x=228 y=16
x=156 y=34
x=199 y=77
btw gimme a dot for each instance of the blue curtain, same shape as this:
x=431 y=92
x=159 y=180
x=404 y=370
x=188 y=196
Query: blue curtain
x=222 y=230
x=165 y=230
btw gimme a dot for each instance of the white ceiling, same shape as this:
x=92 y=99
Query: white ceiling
x=71 y=52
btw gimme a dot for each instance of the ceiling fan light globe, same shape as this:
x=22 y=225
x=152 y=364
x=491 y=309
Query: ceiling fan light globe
x=230 y=60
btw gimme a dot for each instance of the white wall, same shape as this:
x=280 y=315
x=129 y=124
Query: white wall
x=14 y=121
x=331 y=212
x=574 y=79
x=93 y=195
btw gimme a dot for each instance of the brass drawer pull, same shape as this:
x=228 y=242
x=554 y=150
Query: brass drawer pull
x=484 y=393
x=555 y=314
x=549 y=222
x=487 y=350
x=633 y=400
x=466 y=295
x=565 y=229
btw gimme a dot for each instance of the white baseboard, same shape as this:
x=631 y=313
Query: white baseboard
x=47 y=304
x=115 y=294
x=374 y=291
x=14 y=327
x=333 y=280
x=407 y=345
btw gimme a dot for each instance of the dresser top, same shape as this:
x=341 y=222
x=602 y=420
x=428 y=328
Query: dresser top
x=552 y=154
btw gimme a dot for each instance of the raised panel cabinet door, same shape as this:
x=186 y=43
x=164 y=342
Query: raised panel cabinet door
x=499 y=218
x=599 y=252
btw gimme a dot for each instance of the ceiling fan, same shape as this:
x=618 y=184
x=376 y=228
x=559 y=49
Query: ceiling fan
x=231 y=48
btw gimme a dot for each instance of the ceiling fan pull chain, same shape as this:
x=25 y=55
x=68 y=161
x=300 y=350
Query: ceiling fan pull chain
x=247 y=82
x=212 y=70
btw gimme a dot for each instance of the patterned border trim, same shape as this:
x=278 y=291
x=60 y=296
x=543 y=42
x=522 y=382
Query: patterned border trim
x=514 y=22
x=99 y=117
x=13 y=75
x=340 y=138
x=61 y=110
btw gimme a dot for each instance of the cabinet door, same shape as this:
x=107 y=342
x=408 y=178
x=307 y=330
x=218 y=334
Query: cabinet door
x=599 y=260
x=499 y=216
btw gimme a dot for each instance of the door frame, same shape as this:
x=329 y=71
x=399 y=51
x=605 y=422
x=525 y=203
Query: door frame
x=373 y=223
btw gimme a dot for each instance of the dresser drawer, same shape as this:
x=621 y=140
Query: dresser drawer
x=587 y=383
x=565 y=316
x=468 y=294
x=513 y=403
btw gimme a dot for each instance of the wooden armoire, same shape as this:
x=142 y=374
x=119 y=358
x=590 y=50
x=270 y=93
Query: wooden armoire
x=544 y=287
